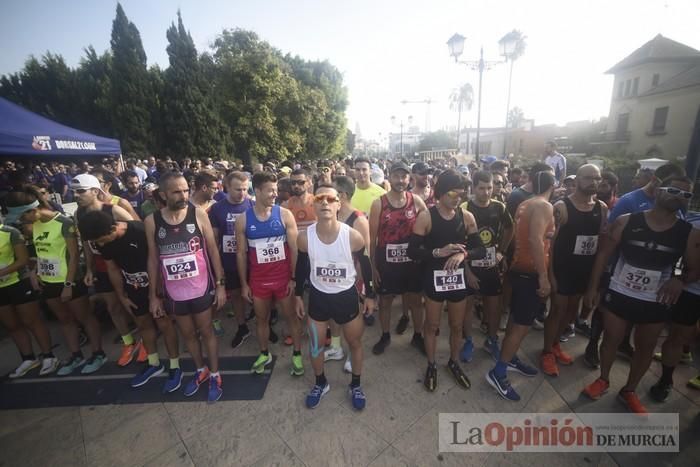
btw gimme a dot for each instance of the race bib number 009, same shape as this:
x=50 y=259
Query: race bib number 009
x=49 y=267
x=445 y=281
x=488 y=261
x=180 y=268
x=640 y=280
x=270 y=252
x=332 y=273
x=586 y=245
x=229 y=243
x=397 y=253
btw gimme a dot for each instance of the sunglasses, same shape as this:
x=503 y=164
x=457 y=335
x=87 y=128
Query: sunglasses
x=327 y=198
x=454 y=194
x=80 y=191
x=324 y=169
x=676 y=192
x=498 y=183
x=298 y=182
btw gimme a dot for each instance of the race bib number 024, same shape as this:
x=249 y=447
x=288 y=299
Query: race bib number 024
x=270 y=252
x=180 y=268
x=445 y=281
x=396 y=253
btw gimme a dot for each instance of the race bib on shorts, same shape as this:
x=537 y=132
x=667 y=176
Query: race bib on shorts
x=48 y=267
x=334 y=273
x=182 y=267
x=639 y=280
x=445 y=281
x=229 y=243
x=3 y=278
x=270 y=252
x=586 y=245
x=136 y=279
x=488 y=261
x=397 y=253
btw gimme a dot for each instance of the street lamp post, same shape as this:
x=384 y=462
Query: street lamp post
x=508 y=45
x=456 y=47
x=393 y=121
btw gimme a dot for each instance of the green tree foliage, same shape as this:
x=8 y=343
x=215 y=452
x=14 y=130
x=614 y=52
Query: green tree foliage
x=93 y=85
x=132 y=92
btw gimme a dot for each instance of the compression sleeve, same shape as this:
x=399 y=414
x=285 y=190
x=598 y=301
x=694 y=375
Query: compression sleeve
x=301 y=272
x=416 y=250
x=366 y=268
x=475 y=247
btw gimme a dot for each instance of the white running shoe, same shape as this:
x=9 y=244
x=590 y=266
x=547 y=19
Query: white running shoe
x=25 y=367
x=49 y=365
x=333 y=354
x=348 y=365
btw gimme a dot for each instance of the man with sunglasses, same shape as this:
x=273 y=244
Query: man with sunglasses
x=87 y=189
x=328 y=250
x=443 y=238
x=642 y=283
x=421 y=175
x=580 y=219
x=300 y=203
x=105 y=178
x=391 y=221
x=325 y=173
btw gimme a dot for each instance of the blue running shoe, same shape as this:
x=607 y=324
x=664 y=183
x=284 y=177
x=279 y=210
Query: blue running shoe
x=524 y=369
x=502 y=386
x=148 y=372
x=215 y=390
x=467 y=352
x=70 y=366
x=316 y=394
x=491 y=346
x=200 y=376
x=174 y=381
x=94 y=363
x=357 y=397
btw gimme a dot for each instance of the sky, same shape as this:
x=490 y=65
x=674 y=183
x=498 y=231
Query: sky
x=389 y=51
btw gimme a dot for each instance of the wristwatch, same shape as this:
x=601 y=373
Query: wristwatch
x=68 y=284
x=221 y=281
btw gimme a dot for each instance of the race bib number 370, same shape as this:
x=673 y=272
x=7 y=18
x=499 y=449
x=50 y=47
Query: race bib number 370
x=270 y=252
x=445 y=281
x=640 y=280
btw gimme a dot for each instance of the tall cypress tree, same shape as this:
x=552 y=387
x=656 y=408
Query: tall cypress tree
x=191 y=124
x=132 y=93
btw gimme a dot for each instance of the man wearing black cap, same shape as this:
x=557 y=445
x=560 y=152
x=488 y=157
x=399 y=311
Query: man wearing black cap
x=420 y=173
x=391 y=222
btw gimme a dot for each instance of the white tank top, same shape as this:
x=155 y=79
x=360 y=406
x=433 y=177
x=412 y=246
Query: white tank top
x=332 y=266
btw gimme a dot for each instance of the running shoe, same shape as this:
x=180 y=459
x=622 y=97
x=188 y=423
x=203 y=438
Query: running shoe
x=261 y=363
x=94 y=363
x=148 y=372
x=199 y=377
x=70 y=366
x=686 y=357
x=631 y=401
x=297 y=365
x=333 y=354
x=215 y=390
x=218 y=328
x=596 y=389
x=418 y=342
x=562 y=357
x=502 y=387
x=503 y=324
x=317 y=392
x=25 y=367
x=347 y=367
x=402 y=325
x=48 y=366
x=127 y=355
x=273 y=337
x=459 y=375
x=369 y=320
x=382 y=344
x=288 y=341
x=591 y=356
x=694 y=382
x=174 y=381
x=660 y=391
x=569 y=333
x=625 y=350
x=491 y=346
x=142 y=354
x=357 y=397
x=430 y=381
x=521 y=367
x=549 y=364
x=538 y=324
x=242 y=334
x=467 y=352
x=583 y=327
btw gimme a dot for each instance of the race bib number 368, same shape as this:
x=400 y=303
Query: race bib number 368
x=445 y=281
x=270 y=252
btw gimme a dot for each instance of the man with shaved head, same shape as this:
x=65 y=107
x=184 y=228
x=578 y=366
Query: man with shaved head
x=579 y=219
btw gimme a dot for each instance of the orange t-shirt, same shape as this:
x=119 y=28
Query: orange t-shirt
x=302 y=207
x=522 y=258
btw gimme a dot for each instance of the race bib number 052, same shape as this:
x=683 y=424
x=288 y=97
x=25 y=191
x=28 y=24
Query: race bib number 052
x=445 y=281
x=397 y=253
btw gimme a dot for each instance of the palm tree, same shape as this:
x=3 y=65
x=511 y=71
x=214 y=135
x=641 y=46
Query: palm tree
x=459 y=99
x=517 y=37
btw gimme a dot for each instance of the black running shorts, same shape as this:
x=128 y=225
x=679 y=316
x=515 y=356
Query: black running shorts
x=686 y=311
x=524 y=302
x=340 y=307
x=634 y=310
x=18 y=294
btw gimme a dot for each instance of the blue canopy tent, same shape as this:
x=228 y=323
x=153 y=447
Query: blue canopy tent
x=26 y=134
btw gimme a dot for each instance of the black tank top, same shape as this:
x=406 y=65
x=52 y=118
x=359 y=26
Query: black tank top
x=577 y=241
x=444 y=232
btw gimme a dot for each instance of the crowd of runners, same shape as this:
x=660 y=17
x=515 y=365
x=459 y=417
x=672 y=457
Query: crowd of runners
x=169 y=246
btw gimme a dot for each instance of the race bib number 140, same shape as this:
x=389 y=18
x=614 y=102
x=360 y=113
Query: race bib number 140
x=445 y=281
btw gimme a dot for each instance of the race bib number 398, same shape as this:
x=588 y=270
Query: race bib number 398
x=49 y=267
x=445 y=281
